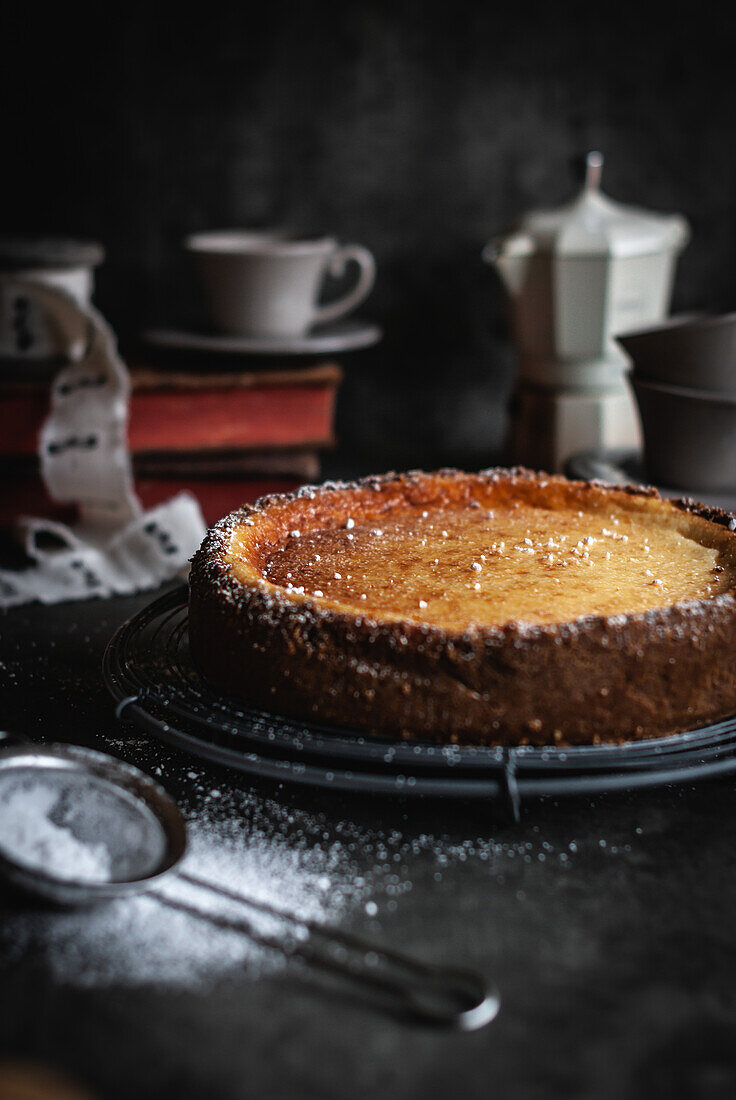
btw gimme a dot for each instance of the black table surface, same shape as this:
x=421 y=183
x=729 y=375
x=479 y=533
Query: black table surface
x=613 y=944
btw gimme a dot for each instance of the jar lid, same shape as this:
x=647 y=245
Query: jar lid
x=30 y=253
x=594 y=225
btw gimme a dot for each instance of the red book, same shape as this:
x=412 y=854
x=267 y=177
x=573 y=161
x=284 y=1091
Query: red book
x=221 y=481
x=198 y=411
x=216 y=496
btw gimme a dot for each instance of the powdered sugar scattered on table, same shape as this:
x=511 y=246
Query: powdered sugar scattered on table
x=350 y=872
x=138 y=940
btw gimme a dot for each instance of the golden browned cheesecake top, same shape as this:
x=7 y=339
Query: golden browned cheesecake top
x=488 y=560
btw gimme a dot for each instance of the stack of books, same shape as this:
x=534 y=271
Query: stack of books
x=227 y=437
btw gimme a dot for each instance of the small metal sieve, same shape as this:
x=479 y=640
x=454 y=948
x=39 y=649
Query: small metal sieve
x=104 y=804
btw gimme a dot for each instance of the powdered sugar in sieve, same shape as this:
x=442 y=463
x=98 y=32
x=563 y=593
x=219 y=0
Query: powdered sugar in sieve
x=76 y=827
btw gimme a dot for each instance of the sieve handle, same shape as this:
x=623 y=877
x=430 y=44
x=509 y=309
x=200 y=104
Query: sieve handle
x=448 y=996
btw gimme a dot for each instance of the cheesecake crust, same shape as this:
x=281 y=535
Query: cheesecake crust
x=272 y=620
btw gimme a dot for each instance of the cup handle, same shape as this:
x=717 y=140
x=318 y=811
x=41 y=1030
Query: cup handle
x=338 y=262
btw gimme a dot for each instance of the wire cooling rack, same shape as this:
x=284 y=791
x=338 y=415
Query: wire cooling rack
x=149 y=671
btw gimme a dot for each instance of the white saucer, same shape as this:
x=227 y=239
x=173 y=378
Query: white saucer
x=345 y=336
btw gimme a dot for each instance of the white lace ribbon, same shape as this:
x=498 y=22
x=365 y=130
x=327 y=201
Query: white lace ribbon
x=115 y=548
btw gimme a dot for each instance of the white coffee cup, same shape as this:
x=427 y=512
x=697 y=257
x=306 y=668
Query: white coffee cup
x=267 y=285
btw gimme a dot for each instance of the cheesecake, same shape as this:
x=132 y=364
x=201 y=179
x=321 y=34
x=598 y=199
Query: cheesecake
x=505 y=607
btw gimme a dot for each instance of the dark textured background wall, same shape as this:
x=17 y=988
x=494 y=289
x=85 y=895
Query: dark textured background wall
x=417 y=129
